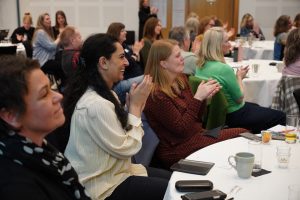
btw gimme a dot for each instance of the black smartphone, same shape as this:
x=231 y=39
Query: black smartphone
x=193 y=185
x=207 y=195
x=273 y=63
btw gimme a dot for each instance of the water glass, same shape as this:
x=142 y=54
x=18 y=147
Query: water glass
x=283 y=155
x=255 y=147
x=294 y=192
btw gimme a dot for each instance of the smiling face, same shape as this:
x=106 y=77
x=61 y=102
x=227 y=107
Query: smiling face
x=61 y=20
x=43 y=108
x=157 y=29
x=113 y=69
x=174 y=64
x=122 y=36
x=47 y=21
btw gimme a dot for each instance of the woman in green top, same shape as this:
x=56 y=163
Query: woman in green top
x=211 y=64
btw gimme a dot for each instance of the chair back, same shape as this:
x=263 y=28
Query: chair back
x=149 y=144
x=284 y=98
x=296 y=94
x=216 y=109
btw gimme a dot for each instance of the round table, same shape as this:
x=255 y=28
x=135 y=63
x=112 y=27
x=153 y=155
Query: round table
x=266 y=187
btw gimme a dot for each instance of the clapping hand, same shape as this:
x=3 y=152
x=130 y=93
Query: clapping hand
x=207 y=89
x=242 y=71
x=138 y=94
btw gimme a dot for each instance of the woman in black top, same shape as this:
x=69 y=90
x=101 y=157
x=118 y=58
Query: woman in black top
x=24 y=34
x=30 y=167
x=145 y=13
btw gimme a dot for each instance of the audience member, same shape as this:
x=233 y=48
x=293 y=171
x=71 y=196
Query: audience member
x=292 y=54
x=71 y=42
x=44 y=47
x=282 y=26
x=152 y=32
x=249 y=26
x=60 y=23
x=296 y=23
x=30 y=167
x=133 y=72
x=192 y=25
x=205 y=23
x=212 y=65
x=173 y=112
x=182 y=36
x=24 y=34
x=103 y=136
x=145 y=12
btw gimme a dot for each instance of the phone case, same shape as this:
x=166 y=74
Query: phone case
x=193 y=185
x=250 y=136
x=207 y=195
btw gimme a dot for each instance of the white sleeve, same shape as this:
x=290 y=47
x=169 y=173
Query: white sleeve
x=106 y=130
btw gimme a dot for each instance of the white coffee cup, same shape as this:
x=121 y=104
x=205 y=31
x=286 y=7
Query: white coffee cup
x=244 y=162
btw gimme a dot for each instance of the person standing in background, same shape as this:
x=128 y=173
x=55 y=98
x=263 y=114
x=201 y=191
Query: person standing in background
x=24 y=34
x=145 y=12
x=60 y=23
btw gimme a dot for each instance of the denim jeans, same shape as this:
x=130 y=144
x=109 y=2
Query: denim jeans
x=122 y=87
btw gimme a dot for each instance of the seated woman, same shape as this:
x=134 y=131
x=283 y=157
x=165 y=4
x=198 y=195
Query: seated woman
x=24 y=34
x=60 y=23
x=44 y=47
x=103 y=136
x=282 y=27
x=172 y=111
x=248 y=26
x=133 y=72
x=152 y=32
x=292 y=54
x=30 y=167
x=212 y=65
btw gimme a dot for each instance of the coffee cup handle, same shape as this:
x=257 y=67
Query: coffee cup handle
x=230 y=162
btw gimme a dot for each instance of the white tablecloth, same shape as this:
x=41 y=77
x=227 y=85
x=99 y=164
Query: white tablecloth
x=258 y=50
x=272 y=186
x=260 y=88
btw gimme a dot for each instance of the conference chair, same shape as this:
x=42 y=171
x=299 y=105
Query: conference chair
x=216 y=110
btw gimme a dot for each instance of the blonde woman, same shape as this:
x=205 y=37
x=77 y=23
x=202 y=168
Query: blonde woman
x=44 y=47
x=249 y=26
x=211 y=64
x=24 y=34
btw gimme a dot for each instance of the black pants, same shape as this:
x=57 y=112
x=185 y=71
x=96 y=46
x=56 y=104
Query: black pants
x=152 y=187
x=255 y=118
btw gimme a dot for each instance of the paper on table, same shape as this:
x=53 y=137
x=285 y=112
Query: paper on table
x=281 y=128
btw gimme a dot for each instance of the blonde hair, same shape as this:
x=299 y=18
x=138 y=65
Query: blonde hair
x=161 y=50
x=27 y=18
x=212 y=46
x=40 y=25
x=192 y=25
x=246 y=18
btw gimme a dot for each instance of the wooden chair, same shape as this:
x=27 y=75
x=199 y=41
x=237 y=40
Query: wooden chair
x=215 y=115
